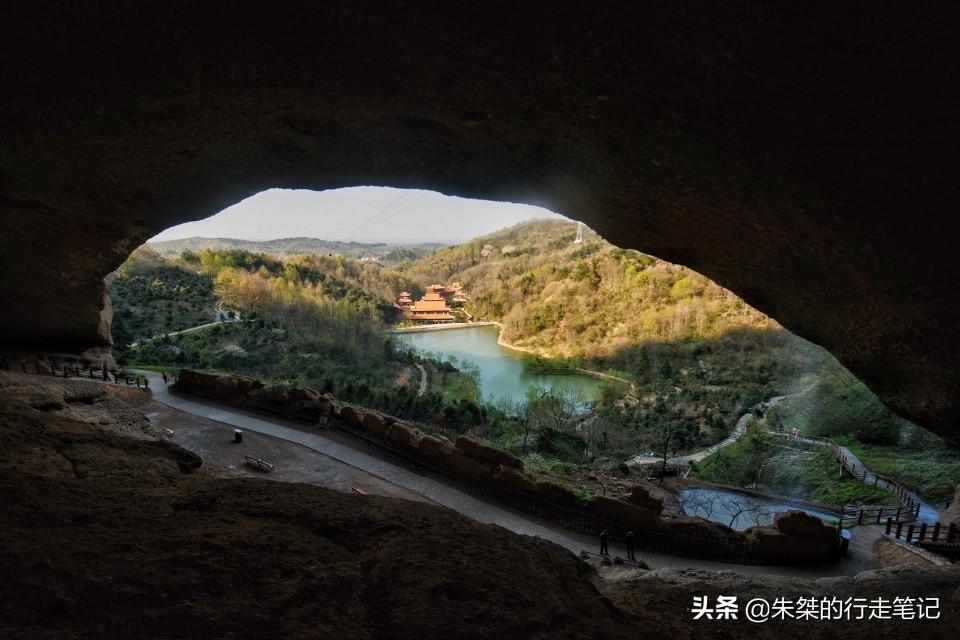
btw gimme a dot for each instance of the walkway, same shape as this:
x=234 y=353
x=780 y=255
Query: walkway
x=191 y=329
x=423 y=380
x=463 y=503
x=864 y=474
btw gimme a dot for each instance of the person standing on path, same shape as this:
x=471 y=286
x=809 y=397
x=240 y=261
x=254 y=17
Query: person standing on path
x=164 y=377
x=603 y=542
x=629 y=539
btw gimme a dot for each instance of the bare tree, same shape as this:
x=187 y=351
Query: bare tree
x=556 y=408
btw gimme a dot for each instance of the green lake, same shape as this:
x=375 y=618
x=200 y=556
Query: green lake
x=501 y=369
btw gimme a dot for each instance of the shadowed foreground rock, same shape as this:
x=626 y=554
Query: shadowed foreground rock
x=108 y=535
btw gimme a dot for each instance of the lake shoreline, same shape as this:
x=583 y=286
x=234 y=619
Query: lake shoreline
x=503 y=343
x=501 y=367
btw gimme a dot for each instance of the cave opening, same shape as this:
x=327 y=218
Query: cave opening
x=323 y=288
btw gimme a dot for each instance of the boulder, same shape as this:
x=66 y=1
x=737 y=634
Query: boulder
x=377 y=423
x=623 y=513
x=697 y=530
x=325 y=405
x=436 y=450
x=468 y=467
x=556 y=494
x=404 y=436
x=352 y=416
x=303 y=393
x=189 y=377
x=510 y=478
x=479 y=451
x=278 y=396
x=641 y=497
x=803 y=525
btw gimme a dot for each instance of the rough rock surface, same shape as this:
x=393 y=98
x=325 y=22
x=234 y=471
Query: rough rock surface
x=797 y=153
x=107 y=535
x=802 y=524
x=641 y=495
x=479 y=451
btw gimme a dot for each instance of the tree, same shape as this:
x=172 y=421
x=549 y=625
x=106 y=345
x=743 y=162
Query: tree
x=555 y=407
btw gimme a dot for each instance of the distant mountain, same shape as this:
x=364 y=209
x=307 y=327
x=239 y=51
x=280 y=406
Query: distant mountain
x=380 y=251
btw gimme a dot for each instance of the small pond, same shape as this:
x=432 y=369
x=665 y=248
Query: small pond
x=738 y=510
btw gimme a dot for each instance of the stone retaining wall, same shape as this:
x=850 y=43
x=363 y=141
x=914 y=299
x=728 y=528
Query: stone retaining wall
x=795 y=537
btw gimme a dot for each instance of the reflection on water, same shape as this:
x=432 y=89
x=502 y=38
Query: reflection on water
x=501 y=369
x=740 y=511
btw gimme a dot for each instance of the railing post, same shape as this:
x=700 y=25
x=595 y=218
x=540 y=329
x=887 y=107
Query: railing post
x=860 y=517
x=923 y=531
x=898 y=514
x=936 y=531
x=879 y=513
x=899 y=528
x=910 y=534
x=889 y=525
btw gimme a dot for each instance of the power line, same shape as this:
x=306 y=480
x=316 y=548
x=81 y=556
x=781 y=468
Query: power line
x=382 y=212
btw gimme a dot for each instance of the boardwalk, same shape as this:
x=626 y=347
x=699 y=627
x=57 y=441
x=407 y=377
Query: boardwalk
x=927 y=512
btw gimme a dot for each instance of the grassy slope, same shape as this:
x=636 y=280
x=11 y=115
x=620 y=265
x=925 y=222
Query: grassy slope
x=933 y=472
x=813 y=476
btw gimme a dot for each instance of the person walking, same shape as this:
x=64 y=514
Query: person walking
x=164 y=374
x=603 y=542
x=629 y=540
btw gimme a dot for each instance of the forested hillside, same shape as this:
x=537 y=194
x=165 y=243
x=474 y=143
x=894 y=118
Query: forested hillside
x=151 y=295
x=587 y=300
x=698 y=356
x=695 y=355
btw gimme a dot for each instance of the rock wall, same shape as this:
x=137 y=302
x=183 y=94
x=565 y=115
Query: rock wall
x=295 y=402
x=815 y=180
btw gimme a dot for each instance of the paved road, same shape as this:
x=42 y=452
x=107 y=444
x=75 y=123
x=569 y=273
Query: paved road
x=463 y=503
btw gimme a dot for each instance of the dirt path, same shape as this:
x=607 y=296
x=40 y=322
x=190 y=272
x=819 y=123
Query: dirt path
x=738 y=431
x=190 y=330
x=423 y=380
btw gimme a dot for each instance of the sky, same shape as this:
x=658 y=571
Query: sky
x=364 y=214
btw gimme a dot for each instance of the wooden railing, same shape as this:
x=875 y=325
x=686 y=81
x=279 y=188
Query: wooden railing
x=923 y=533
x=877 y=515
x=908 y=509
x=116 y=377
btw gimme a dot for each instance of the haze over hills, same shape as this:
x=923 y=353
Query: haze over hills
x=382 y=251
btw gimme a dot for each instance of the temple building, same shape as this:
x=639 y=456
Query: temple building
x=404 y=301
x=436 y=305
